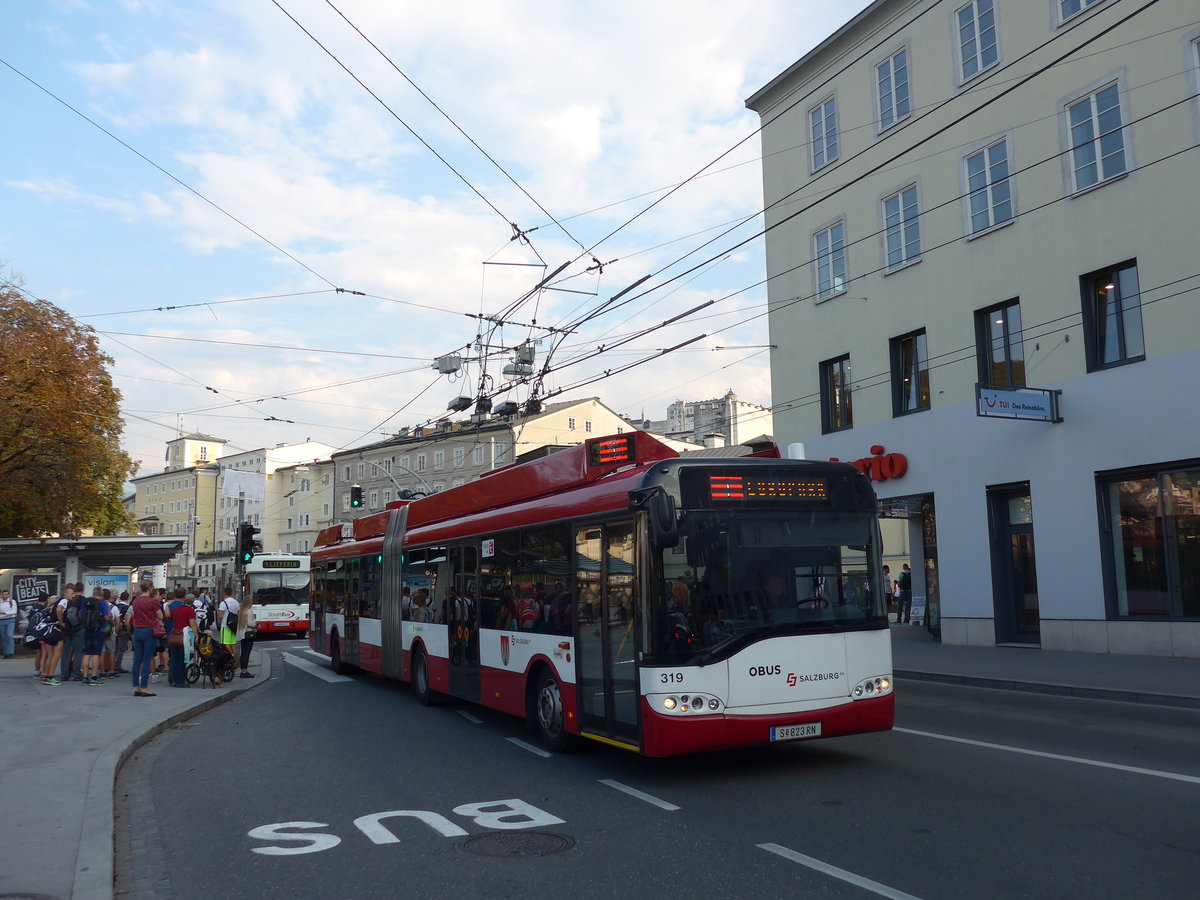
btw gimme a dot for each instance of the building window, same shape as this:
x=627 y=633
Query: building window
x=420 y=462
x=910 y=373
x=362 y=471
x=439 y=460
x=1097 y=138
x=977 y=46
x=387 y=496
x=587 y=426
x=823 y=130
x=325 y=480
x=459 y=457
x=374 y=500
x=439 y=486
x=305 y=485
x=989 y=194
x=902 y=228
x=1150 y=531
x=477 y=454
x=570 y=423
x=325 y=510
x=999 y=349
x=346 y=473
x=1112 y=316
x=891 y=78
x=836 y=412
x=387 y=465
x=289 y=525
x=1069 y=8
x=304 y=520
x=203 y=454
x=345 y=503
x=830 y=248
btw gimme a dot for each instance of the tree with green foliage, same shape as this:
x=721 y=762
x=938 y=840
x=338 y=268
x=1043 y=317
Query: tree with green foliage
x=62 y=468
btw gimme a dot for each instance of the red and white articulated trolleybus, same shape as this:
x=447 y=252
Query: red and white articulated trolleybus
x=620 y=592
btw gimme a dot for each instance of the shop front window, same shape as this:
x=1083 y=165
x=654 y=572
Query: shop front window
x=1154 y=529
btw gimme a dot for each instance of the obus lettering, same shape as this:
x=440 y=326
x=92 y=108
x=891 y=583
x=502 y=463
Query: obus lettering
x=495 y=814
x=756 y=671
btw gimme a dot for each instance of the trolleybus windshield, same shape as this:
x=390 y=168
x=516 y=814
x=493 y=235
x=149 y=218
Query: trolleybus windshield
x=742 y=575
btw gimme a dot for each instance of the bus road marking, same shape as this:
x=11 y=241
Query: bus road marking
x=313 y=669
x=849 y=877
x=536 y=751
x=474 y=720
x=316 y=653
x=634 y=792
x=1134 y=770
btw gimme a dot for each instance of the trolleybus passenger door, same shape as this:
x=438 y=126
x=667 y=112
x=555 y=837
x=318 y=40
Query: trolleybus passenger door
x=606 y=630
x=462 y=621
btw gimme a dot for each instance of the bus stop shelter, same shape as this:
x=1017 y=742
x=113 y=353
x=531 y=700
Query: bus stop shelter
x=73 y=556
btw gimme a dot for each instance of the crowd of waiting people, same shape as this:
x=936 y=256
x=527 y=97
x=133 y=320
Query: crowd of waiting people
x=85 y=639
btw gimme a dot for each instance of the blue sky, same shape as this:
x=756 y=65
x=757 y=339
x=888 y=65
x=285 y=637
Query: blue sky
x=594 y=109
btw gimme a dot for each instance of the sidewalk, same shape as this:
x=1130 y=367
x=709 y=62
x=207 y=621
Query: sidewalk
x=1161 y=680
x=62 y=748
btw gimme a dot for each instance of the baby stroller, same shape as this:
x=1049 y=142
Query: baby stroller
x=211 y=661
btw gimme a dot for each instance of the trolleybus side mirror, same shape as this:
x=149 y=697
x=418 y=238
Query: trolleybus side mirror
x=662 y=520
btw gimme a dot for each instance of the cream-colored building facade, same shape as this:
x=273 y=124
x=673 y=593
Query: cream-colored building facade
x=432 y=459
x=989 y=209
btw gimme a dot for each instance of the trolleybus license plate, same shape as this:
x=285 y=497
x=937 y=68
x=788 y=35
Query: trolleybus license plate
x=795 y=732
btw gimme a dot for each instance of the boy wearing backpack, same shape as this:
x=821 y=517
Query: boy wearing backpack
x=70 y=617
x=95 y=621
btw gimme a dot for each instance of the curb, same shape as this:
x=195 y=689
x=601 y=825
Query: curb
x=94 y=860
x=1062 y=690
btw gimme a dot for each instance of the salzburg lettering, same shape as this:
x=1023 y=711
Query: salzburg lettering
x=880 y=466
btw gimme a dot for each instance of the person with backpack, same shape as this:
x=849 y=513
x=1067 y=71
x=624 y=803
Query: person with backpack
x=95 y=624
x=227 y=621
x=121 y=632
x=70 y=617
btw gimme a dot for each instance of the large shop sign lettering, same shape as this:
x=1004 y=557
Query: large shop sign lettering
x=879 y=466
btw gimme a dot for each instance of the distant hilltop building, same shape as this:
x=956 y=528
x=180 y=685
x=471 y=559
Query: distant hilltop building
x=725 y=421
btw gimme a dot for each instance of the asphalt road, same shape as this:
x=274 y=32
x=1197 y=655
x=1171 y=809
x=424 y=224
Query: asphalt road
x=978 y=793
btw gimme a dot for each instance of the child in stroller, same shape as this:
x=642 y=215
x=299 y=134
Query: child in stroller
x=210 y=660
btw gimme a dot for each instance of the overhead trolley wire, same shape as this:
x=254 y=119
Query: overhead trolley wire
x=183 y=184
x=517 y=232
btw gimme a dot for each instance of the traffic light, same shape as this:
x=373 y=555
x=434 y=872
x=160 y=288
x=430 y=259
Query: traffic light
x=246 y=544
x=356 y=496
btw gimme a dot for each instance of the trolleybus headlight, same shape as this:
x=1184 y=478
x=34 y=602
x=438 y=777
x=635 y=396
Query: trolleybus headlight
x=714 y=704
x=684 y=699
x=885 y=684
x=683 y=708
x=858 y=690
x=669 y=703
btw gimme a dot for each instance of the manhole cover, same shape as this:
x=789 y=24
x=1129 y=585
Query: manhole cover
x=517 y=844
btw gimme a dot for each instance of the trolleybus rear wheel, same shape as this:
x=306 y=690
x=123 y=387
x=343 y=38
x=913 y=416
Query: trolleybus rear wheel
x=335 y=657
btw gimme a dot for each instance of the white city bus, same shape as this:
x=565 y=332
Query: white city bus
x=278 y=585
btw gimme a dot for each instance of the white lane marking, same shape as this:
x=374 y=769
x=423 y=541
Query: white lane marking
x=634 y=792
x=1135 y=770
x=865 y=883
x=537 y=751
x=313 y=669
x=316 y=653
x=474 y=720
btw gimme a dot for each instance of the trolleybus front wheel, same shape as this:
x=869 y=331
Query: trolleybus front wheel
x=548 y=714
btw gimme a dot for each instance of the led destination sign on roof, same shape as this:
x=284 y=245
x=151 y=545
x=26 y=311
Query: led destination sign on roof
x=747 y=487
x=280 y=563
